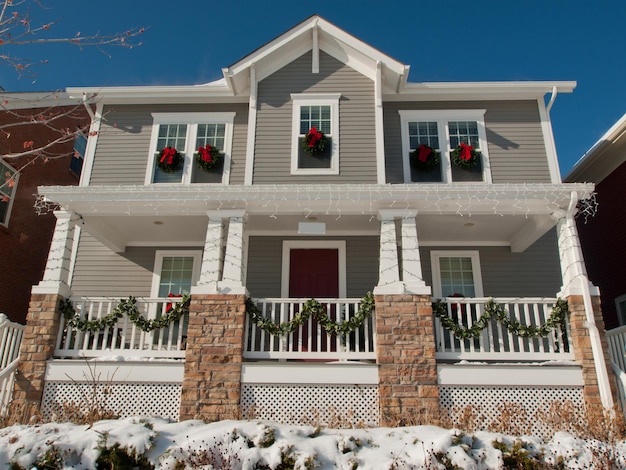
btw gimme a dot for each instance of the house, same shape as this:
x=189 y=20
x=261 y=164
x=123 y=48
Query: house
x=25 y=235
x=601 y=235
x=279 y=197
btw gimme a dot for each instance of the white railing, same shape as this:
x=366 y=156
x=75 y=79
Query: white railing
x=617 y=346
x=496 y=342
x=10 y=339
x=123 y=338
x=310 y=340
x=7 y=379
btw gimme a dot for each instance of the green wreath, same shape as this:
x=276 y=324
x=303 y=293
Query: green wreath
x=208 y=157
x=169 y=160
x=497 y=312
x=312 y=308
x=314 y=142
x=431 y=158
x=459 y=156
x=124 y=308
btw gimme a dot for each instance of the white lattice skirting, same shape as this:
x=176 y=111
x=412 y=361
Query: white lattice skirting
x=524 y=403
x=122 y=398
x=326 y=405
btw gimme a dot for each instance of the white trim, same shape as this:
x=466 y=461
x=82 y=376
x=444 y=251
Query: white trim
x=64 y=370
x=381 y=177
x=330 y=373
x=16 y=181
x=435 y=255
x=251 y=138
x=621 y=298
x=288 y=245
x=75 y=242
x=548 y=140
x=514 y=374
x=192 y=120
x=90 y=150
x=443 y=117
x=315 y=99
x=158 y=265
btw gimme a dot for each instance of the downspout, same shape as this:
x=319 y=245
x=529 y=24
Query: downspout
x=602 y=374
x=552 y=99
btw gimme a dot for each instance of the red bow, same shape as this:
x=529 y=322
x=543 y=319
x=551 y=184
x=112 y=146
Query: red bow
x=168 y=152
x=205 y=153
x=424 y=153
x=314 y=136
x=170 y=305
x=466 y=151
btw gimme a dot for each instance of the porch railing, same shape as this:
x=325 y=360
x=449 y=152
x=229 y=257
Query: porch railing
x=124 y=338
x=496 y=342
x=309 y=340
x=10 y=339
x=617 y=346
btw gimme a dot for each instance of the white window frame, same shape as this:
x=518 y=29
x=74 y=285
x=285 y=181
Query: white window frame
x=315 y=99
x=16 y=180
x=621 y=319
x=436 y=255
x=288 y=245
x=442 y=117
x=158 y=266
x=191 y=120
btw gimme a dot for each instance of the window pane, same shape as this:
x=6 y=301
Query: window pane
x=172 y=135
x=315 y=116
x=423 y=132
x=176 y=275
x=212 y=134
x=463 y=132
x=456 y=276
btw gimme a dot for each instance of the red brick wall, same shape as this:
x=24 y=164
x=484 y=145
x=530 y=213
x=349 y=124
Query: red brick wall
x=25 y=242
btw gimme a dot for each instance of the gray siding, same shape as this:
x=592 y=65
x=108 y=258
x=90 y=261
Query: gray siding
x=515 y=139
x=357 y=155
x=124 y=141
x=265 y=265
x=534 y=273
x=101 y=272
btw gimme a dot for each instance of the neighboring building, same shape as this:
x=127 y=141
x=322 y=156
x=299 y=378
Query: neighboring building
x=24 y=235
x=602 y=236
x=374 y=210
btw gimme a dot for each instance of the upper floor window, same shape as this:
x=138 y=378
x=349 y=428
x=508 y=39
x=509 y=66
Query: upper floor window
x=8 y=187
x=456 y=138
x=315 y=134
x=190 y=148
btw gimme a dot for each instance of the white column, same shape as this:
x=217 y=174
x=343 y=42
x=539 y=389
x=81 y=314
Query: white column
x=56 y=275
x=210 y=271
x=233 y=273
x=388 y=267
x=411 y=265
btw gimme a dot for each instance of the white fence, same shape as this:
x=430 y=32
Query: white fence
x=309 y=340
x=496 y=342
x=124 y=338
x=10 y=339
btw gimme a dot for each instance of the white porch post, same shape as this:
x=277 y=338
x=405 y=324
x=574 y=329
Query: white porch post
x=576 y=282
x=56 y=275
x=233 y=274
x=388 y=267
x=411 y=265
x=211 y=256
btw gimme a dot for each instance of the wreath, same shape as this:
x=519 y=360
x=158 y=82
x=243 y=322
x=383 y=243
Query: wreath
x=424 y=158
x=464 y=156
x=208 y=157
x=169 y=160
x=314 y=142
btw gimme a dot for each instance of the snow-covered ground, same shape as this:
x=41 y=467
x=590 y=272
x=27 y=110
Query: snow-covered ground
x=259 y=444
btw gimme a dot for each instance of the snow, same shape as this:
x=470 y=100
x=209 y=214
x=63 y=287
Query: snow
x=254 y=444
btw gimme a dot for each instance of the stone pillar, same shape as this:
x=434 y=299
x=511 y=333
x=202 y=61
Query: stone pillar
x=405 y=342
x=583 y=351
x=212 y=381
x=38 y=344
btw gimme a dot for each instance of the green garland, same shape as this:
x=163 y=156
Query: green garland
x=312 y=308
x=124 y=307
x=497 y=312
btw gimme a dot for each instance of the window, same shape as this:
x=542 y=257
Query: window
x=175 y=272
x=319 y=111
x=620 y=306
x=456 y=272
x=444 y=131
x=80 y=147
x=186 y=132
x=8 y=186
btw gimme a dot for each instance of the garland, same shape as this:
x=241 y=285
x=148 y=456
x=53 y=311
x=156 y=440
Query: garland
x=208 y=157
x=312 y=308
x=128 y=308
x=424 y=158
x=497 y=312
x=169 y=160
x=464 y=156
x=314 y=142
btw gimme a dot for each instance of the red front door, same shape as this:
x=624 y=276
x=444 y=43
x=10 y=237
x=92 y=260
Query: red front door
x=314 y=273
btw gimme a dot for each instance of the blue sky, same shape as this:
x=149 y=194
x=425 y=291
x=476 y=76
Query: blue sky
x=188 y=42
